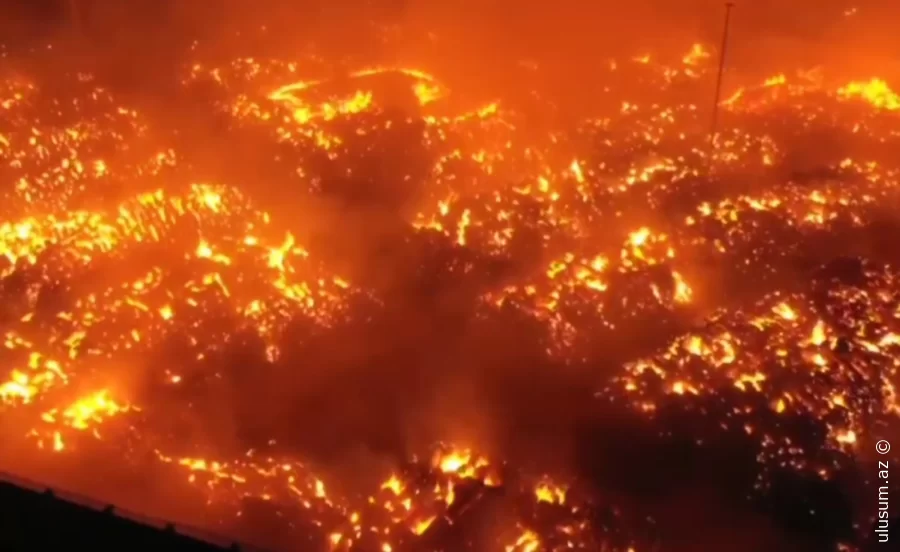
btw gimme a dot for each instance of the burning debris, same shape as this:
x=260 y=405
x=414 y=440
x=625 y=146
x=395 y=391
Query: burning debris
x=160 y=311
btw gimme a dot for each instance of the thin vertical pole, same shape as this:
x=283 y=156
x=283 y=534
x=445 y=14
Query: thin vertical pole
x=722 y=51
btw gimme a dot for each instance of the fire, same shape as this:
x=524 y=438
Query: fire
x=785 y=311
x=775 y=80
x=875 y=91
x=527 y=542
x=818 y=336
x=548 y=492
x=453 y=461
x=605 y=238
x=847 y=437
x=422 y=526
x=394 y=485
x=696 y=56
x=426 y=92
x=683 y=292
x=461 y=463
x=91 y=409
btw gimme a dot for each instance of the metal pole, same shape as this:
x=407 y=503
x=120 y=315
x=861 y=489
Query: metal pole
x=722 y=50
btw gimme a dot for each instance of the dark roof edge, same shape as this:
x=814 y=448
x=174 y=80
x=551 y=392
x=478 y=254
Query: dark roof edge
x=187 y=532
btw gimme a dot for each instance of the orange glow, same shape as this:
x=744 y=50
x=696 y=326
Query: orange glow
x=656 y=270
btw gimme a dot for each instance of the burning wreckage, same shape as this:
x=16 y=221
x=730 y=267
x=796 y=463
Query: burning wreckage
x=339 y=320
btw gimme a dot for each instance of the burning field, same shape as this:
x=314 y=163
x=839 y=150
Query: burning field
x=320 y=307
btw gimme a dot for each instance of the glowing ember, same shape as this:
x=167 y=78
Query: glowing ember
x=139 y=298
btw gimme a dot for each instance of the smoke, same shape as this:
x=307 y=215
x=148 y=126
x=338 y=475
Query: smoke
x=470 y=41
x=424 y=359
